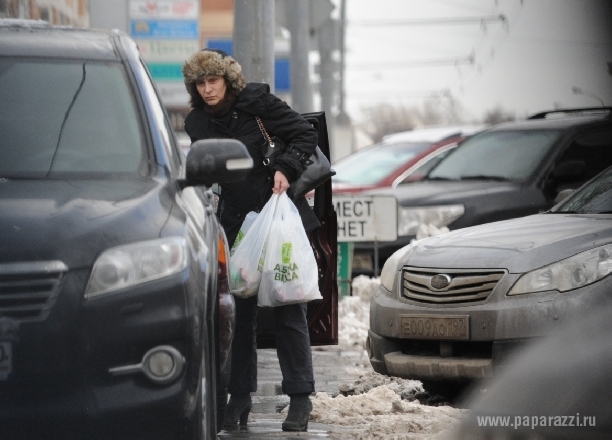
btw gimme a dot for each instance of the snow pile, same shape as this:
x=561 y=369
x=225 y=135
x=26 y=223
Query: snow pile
x=381 y=413
x=354 y=316
x=353 y=322
x=405 y=388
x=363 y=287
x=375 y=406
x=354 y=312
x=428 y=230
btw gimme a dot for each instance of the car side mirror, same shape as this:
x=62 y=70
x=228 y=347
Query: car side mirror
x=569 y=170
x=212 y=161
x=563 y=195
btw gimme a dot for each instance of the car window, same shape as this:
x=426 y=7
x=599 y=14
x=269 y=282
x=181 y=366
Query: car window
x=594 y=198
x=165 y=129
x=591 y=151
x=373 y=164
x=64 y=116
x=512 y=155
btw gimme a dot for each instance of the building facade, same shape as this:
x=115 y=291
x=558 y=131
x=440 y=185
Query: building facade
x=57 y=12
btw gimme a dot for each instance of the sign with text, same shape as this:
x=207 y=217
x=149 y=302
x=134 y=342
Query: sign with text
x=167 y=33
x=366 y=218
x=166 y=71
x=176 y=9
x=173 y=94
x=161 y=29
x=167 y=50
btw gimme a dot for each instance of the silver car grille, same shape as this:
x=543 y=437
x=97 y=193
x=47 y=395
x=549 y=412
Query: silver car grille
x=28 y=290
x=463 y=286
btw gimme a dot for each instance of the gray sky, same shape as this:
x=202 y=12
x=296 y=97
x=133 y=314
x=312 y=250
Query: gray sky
x=525 y=64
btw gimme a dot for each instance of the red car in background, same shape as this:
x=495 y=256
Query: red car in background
x=388 y=163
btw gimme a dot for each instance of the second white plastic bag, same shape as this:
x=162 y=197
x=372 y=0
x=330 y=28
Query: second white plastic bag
x=246 y=225
x=290 y=273
x=246 y=261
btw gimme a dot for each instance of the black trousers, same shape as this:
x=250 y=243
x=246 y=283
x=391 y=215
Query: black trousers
x=292 y=347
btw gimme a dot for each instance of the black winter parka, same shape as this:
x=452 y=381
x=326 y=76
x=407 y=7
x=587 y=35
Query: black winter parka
x=251 y=194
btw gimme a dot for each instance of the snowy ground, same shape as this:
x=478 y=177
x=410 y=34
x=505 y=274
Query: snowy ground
x=375 y=406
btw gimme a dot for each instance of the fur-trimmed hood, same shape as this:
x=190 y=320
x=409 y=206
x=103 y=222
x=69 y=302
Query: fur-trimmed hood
x=212 y=62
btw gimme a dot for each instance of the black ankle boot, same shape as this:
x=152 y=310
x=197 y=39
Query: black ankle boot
x=237 y=409
x=300 y=407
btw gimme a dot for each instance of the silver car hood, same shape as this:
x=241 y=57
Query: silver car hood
x=518 y=245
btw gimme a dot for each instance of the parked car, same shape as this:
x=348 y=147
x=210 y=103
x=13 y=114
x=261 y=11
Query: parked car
x=115 y=314
x=451 y=307
x=509 y=170
x=384 y=164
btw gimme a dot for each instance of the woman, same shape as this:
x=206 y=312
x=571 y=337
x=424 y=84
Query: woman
x=224 y=106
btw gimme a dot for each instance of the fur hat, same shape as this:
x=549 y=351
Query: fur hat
x=212 y=62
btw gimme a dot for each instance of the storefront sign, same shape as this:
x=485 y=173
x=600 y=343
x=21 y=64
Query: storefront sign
x=162 y=9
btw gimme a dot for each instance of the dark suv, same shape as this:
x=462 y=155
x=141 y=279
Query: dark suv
x=510 y=170
x=115 y=313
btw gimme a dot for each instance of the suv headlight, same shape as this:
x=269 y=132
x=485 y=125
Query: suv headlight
x=411 y=218
x=571 y=273
x=132 y=264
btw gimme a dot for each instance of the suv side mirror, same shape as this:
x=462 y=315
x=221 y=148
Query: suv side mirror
x=569 y=170
x=212 y=161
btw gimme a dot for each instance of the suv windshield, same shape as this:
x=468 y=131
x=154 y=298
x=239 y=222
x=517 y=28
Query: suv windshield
x=594 y=198
x=370 y=166
x=64 y=117
x=509 y=155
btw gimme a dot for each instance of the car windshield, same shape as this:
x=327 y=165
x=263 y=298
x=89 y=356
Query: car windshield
x=373 y=164
x=427 y=164
x=593 y=198
x=61 y=118
x=497 y=155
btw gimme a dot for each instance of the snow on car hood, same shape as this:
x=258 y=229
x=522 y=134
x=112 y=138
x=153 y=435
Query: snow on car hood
x=518 y=245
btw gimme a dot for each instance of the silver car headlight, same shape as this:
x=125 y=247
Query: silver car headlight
x=391 y=266
x=409 y=219
x=132 y=264
x=571 y=273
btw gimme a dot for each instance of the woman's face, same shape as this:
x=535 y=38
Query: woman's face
x=212 y=88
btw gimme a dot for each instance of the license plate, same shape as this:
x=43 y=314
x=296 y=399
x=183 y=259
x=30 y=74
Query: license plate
x=435 y=327
x=6 y=359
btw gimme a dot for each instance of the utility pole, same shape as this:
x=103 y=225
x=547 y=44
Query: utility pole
x=298 y=14
x=327 y=36
x=254 y=39
x=24 y=9
x=343 y=118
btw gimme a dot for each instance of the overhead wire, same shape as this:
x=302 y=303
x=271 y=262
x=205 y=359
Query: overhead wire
x=472 y=59
x=497 y=44
x=464 y=5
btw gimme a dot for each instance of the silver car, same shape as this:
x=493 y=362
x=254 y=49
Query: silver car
x=451 y=307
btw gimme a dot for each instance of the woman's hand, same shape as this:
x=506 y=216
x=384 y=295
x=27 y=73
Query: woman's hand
x=281 y=184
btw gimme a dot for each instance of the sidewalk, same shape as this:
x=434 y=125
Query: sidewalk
x=265 y=420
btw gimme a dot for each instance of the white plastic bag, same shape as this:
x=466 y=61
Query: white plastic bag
x=290 y=273
x=246 y=225
x=246 y=263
